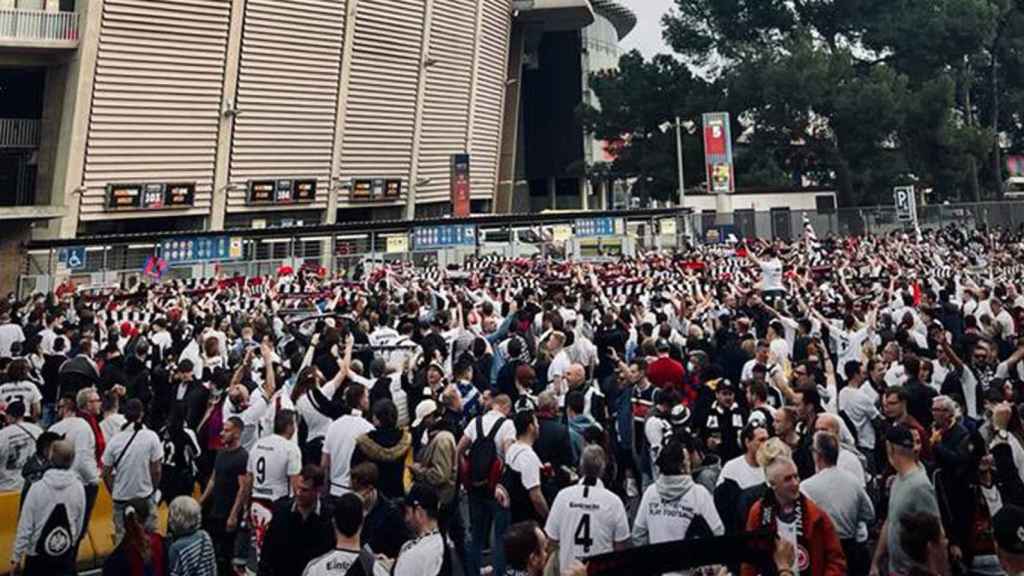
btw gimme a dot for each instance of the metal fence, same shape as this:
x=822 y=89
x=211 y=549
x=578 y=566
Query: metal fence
x=341 y=253
x=19 y=133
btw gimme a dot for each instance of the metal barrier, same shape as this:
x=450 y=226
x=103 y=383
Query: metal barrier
x=19 y=133
x=39 y=25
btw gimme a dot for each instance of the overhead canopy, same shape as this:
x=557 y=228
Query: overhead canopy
x=574 y=14
x=555 y=15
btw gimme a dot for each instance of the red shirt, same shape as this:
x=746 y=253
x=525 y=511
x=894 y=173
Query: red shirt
x=666 y=373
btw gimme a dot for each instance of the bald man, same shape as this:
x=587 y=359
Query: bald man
x=595 y=404
x=849 y=460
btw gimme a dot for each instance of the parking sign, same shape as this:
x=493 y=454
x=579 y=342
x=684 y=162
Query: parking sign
x=906 y=205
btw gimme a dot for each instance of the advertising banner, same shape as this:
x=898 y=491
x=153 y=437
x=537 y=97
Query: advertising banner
x=718 y=153
x=460 y=185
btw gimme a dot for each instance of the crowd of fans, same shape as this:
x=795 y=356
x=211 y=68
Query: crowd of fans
x=854 y=397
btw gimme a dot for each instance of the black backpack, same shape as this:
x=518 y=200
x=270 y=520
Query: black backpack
x=482 y=468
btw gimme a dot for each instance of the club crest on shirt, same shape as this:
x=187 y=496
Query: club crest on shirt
x=803 y=559
x=58 y=542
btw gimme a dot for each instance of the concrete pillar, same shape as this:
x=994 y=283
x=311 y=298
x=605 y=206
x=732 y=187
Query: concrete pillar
x=603 y=191
x=222 y=169
x=69 y=169
x=723 y=209
x=553 y=192
x=421 y=96
x=505 y=191
x=339 y=119
x=49 y=139
x=584 y=193
x=15 y=232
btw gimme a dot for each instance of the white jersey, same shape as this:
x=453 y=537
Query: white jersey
x=77 y=431
x=338 y=562
x=17 y=444
x=26 y=392
x=340 y=444
x=586 y=520
x=272 y=462
x=771 y=274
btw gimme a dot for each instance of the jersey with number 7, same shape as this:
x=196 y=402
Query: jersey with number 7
x=586 y=520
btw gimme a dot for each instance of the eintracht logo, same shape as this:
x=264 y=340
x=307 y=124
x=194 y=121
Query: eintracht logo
x=58 y=542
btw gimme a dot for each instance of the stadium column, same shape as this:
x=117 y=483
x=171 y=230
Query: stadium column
x=229 y=95
x=503 y=197
x=421 y=95
x=69 y=169
x=474 y=82
x=339 y=119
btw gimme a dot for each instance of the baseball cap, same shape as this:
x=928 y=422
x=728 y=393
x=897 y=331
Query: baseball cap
x=900 y=436
x=421 y=495
x=662 y=345
x=725 y=384
x=423 y=409
x=1008 y=529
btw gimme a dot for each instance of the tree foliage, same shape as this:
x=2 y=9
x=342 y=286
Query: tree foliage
x=859 y=94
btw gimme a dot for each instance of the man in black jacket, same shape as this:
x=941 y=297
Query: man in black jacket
x=301 y=529
x=920 y=395
x=384 y=529
x=553 y=446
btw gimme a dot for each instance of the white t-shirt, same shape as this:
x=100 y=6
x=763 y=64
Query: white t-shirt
x=586 y=520
x=340 y=444
x=132 y=477
x=848 y=462
x=861 y=411
x=317 y=423
x=337 y=562
x=272 y=462
x=25 y=391
x=522 y=459
x=896 y=375
x=10 y=334
x=17 y=444
x=848 y=344
x=421 y=557
x=787 y=531
x=771 y=273
x=506 y=434
x=780 y=348
x=659 y=520
x=77 y=431
x=742 y=473
x=111 y=425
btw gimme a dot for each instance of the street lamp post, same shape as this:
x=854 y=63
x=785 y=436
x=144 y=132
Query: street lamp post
x=679 y=161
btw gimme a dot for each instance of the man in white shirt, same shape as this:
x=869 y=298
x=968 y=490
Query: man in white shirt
x=858 y=407
x=341 y=438
x=482 y=506
x=132 y=465
x=847 y=459
x=424 y=555
x=76 y=430
x=743 y=470
x=519 y=489
x=587 y=519
x=17 y=444
x=273 y=470
x=10 y=334
x=19 y=388
x=348 y=557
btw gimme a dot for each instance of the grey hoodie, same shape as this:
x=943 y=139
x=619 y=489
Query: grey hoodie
x=56 y=487
x=670 y=489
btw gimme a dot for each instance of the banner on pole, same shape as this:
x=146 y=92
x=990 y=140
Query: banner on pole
x=460 y=185
x=718 y=153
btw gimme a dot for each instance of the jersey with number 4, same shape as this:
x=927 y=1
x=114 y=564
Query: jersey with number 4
x=586 y=520
x=272 y=460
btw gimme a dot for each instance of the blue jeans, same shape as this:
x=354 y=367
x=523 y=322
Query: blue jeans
x=483 y=510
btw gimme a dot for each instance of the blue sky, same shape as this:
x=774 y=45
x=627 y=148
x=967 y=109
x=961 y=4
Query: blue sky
x=647 y=35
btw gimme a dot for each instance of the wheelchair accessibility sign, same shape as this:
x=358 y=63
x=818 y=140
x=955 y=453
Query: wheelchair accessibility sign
x=73 y=257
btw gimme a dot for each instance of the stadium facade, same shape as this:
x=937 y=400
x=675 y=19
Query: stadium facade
x=122 y=116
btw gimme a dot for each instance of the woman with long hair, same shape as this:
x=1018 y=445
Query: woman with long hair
x=141 y=552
